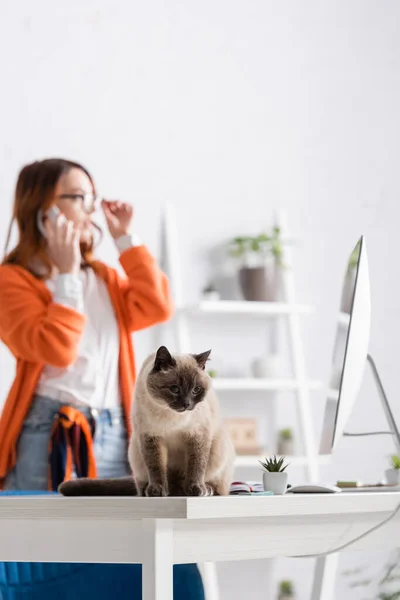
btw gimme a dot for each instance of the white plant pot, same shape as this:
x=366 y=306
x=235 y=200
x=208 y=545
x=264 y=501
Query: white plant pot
x=285 y=597
x=275 y=482
x=211 y=296
x=285 y=447
x=266 y=367
x=392 y=476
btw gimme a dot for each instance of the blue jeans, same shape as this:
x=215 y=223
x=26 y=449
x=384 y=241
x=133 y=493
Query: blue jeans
x=31 y=471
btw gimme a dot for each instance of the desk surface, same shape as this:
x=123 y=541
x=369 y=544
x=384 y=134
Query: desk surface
x=119 y=508
x=34 y=528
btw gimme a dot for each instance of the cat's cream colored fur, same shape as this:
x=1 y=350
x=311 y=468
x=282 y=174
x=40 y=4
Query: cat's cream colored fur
x=180 y=434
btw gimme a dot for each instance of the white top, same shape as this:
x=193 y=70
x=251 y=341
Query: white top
x=93 y=379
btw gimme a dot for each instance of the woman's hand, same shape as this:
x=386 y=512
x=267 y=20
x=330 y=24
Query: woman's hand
x=63 y=243
x=118 y=216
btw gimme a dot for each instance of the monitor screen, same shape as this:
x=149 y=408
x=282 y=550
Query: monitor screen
x=350 y=347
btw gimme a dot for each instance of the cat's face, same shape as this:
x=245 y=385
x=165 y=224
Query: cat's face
x=179 y=382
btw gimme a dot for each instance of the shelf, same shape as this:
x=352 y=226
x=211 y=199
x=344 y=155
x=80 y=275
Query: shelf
x=261 y=384
x=255 y=309
x=294 y=461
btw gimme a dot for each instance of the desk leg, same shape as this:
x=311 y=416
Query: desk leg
x=324 y=577
x=157 y=565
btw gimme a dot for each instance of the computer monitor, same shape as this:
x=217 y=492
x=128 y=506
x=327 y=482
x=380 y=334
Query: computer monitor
x=351 y=347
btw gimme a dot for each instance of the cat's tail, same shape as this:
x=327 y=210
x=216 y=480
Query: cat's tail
x=120 y=486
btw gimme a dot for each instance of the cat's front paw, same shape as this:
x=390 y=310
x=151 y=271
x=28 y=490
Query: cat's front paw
x=199 y=489
x=141 y=487
x=156 y=489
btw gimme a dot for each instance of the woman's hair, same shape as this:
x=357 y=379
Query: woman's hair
x=34 y=192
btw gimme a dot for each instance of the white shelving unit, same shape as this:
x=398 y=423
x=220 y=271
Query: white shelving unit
x=288 y=309
x=251 y=309
x=261 y=385
x=298 y=383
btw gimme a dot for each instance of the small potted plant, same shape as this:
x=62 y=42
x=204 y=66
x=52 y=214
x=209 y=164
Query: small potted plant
x=285 y=442
x=393 y=474
x=258 y=276
x=210 y=293
x=212 y=373
x=275 y=477
x=286 y=591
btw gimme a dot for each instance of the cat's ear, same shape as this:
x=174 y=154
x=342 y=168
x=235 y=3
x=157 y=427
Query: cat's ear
x=164 y=360
x=202 y=358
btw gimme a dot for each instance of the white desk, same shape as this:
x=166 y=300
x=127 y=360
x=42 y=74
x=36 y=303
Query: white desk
x=159 y=532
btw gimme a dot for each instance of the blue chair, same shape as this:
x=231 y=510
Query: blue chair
x=63 y=581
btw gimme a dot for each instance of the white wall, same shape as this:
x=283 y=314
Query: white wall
x=228 y=109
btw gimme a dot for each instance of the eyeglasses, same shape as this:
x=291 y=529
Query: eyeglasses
x=90 y=202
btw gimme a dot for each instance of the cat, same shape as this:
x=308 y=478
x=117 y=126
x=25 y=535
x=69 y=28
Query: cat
x=179 y=446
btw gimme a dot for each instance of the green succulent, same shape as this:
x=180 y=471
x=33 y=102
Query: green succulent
x=395 y=461
x=286 y=588
x=286 y=434
x=263 y=244
x=274 y=464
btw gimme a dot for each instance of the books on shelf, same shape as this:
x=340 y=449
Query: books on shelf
x=243 y=432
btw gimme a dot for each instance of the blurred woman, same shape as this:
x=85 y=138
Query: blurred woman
x=68 y=320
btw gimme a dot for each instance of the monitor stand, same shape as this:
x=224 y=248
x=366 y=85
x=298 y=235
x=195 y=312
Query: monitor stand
x=394 y=431
x=310 y=488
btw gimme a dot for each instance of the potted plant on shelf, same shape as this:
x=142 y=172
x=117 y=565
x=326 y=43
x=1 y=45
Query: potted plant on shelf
x=285 y=442
x=275 y=477
x=210 y=293
x=259 y=258
x=286 y=590
x=350 y=280
x=393 y=474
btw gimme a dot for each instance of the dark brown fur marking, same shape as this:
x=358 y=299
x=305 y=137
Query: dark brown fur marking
x=121 y=486
x=198 y=448
x=155 y=457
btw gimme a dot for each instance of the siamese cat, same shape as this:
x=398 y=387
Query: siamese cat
x=179 y=446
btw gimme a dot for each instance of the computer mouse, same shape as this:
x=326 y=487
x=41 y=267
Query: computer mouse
x=313 y=488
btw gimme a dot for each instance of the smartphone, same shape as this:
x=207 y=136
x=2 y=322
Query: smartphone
x=51 y=214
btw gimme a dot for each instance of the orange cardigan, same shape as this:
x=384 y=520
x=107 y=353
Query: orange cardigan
x=39 y=332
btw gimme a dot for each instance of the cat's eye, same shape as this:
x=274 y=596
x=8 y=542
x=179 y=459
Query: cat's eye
x=197 y=390
x=174 y=389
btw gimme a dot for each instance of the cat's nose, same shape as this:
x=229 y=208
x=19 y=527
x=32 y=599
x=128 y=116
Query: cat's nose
x=185 y=403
